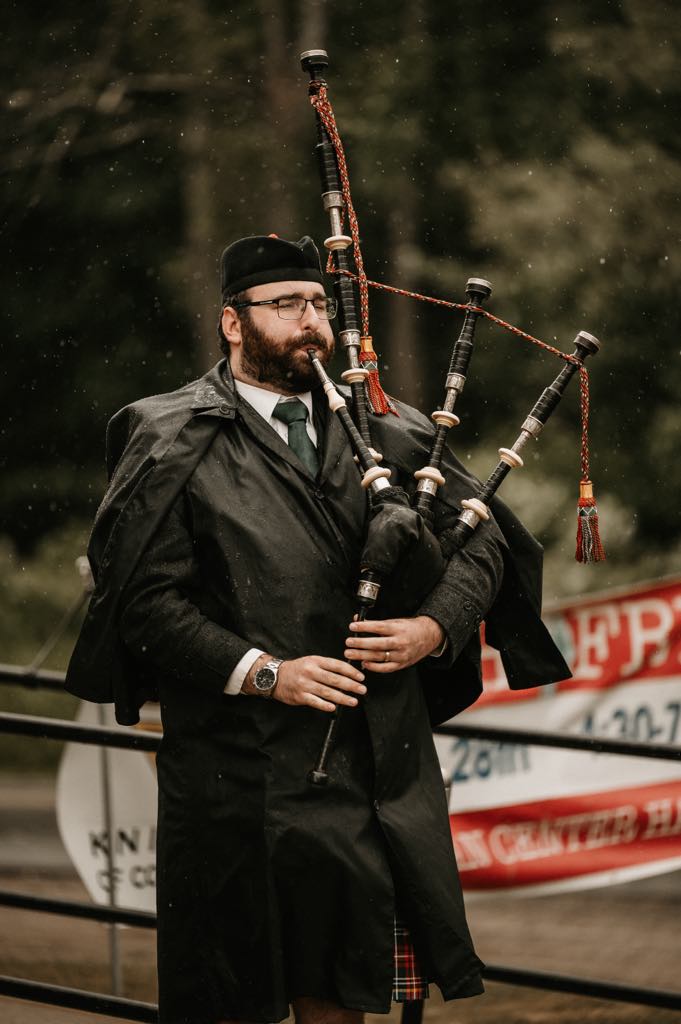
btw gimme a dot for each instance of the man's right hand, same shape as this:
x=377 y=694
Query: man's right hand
x=318 y=682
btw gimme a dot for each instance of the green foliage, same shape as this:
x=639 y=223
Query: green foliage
x=533 y=144
x=35 y=594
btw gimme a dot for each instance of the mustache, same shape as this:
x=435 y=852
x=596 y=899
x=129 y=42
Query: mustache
x=322 y=348
x=308 y=341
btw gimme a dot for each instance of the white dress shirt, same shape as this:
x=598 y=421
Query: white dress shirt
x=263 y=402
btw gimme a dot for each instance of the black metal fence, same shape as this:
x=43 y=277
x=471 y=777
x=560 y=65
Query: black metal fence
x=136 y=739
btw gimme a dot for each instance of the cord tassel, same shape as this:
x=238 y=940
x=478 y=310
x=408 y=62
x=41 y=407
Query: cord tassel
x=589 y=545
x=378 y=400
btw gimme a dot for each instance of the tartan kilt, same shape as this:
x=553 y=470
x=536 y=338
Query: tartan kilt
x=409 y=982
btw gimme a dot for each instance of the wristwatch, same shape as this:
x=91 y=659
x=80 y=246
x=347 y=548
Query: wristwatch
x=265 y=679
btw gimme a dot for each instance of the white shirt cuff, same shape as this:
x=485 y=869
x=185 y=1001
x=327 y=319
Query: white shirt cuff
x=441 y=649
x=236 y=680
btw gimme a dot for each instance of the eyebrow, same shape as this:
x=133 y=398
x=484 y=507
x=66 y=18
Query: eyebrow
x=299 y=295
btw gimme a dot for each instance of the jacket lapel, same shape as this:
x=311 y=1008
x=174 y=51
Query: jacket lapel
x=334 y=440
x=268 y=437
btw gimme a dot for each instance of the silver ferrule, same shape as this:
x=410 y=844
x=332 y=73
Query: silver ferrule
x=532 y=426
x=332 y=199
x=469 y=517
x=379 y=484
x=350 y=340
x=451 y=396
x=455 y=381
x=335 y=219
x=368 y=591
x=521 y=440
x=427 y=486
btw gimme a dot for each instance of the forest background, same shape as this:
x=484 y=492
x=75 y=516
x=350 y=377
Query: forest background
x=531 y=143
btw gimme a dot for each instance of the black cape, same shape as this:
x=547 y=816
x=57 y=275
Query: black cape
x=153 y=447
x=269 y=888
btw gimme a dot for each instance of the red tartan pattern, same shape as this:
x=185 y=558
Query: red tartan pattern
x=408 y=980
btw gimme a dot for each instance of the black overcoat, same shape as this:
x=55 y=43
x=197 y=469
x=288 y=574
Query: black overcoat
x=267 y=887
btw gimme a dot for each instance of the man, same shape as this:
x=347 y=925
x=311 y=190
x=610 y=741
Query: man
x=226 y=554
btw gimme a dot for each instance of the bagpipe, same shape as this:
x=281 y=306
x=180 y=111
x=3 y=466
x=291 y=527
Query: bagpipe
x=399 y=524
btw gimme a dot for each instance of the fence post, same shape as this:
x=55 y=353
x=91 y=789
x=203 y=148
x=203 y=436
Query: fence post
x=114 y=951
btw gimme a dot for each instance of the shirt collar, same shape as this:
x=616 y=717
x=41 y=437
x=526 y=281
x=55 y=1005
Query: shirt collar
x=264 y=401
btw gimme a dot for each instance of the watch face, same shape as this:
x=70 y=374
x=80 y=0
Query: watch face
x=265 y=679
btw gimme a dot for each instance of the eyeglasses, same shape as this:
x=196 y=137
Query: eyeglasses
x=293 y=307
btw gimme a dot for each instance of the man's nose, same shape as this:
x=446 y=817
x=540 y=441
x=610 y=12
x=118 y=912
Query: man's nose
x=310 y=315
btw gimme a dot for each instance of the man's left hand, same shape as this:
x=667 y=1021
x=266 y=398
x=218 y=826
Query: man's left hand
x=393 y=643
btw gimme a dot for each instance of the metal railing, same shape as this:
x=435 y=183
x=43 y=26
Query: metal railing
x=137 y=739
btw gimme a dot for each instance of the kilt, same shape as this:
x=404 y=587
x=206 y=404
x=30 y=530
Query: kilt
x=409 y=981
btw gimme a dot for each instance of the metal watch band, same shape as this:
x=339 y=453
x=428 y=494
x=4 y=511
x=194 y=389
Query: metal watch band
x=273 y=666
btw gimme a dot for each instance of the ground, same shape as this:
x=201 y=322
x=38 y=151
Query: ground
x=628 y=933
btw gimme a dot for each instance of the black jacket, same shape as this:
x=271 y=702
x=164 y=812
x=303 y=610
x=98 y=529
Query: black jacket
x=212 y=538
x=154 y=445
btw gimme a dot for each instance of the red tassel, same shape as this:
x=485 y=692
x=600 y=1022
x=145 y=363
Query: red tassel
x=589 y=545
x=378 y=400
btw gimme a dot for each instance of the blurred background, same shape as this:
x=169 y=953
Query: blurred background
x=530 y=142
x=534 y=144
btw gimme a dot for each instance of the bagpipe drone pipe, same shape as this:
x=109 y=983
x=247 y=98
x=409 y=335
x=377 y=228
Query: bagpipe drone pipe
x=400 y=538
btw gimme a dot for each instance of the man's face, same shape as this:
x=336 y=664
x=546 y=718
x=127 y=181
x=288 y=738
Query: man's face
x=274 y=351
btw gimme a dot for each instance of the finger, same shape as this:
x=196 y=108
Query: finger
x=371 y=643
x=382 y=667
x=380 y=626
x=337 y=682
x=313 y=700
x=336 y=696
x=340 y=668
x=374 y=655
x=353 y=655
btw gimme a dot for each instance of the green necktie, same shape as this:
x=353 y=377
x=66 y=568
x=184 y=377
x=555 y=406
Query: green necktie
x=294 y=413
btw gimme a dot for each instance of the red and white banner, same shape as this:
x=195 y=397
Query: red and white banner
x=538 y=819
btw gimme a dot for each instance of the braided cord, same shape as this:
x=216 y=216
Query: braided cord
x=584 y=408
x=565 y=356
x=464 y=307
x=320 y=101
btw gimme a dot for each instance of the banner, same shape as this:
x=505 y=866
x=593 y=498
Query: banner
x=537 y=819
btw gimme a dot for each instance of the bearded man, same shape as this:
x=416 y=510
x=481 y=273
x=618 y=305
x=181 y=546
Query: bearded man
x=226 y=554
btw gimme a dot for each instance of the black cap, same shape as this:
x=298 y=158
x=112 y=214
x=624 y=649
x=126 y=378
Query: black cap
x=261 y=259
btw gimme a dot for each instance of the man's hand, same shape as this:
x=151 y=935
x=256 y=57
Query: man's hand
x=314 y=681
x=395 y=643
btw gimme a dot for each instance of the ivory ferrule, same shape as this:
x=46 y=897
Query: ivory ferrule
x=511 y=458
x=368 y=591
x=444 y=418
x=532 y=426
x=335 y=242
x=354 y=375
x=430 y=473
x=335 y=400
x=477 y=507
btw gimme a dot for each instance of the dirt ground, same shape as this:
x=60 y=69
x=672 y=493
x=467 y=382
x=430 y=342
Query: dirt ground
x=627 y=933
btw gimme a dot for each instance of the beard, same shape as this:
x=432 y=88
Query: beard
x=284 y=366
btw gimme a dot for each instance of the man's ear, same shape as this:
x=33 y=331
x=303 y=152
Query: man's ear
x=231 y=325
